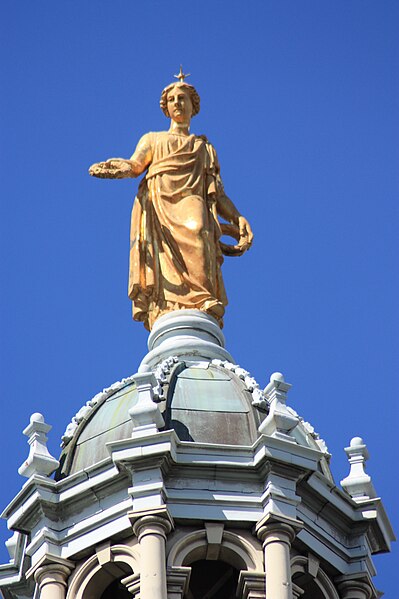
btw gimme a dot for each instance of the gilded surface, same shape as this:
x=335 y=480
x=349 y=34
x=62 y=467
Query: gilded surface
x=175 y=252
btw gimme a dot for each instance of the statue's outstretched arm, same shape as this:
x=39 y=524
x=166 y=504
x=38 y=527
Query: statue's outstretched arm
x=122 y=168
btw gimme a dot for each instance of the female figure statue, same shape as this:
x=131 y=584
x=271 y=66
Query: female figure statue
x=175 y=252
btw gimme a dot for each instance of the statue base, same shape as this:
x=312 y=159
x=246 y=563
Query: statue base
x=188 y=334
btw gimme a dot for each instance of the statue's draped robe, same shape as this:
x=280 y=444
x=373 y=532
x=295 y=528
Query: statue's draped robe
x=175 y=256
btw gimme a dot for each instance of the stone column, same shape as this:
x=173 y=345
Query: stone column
x=151 y=530
x=354 y=589
x=52 y=581
x=277 y=538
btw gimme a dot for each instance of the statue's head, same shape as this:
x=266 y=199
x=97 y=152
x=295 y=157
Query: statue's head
x=176 y=88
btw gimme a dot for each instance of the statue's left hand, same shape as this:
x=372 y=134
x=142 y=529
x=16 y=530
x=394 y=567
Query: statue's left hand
x=114 y=168
x=246 y=235
x=241 y=231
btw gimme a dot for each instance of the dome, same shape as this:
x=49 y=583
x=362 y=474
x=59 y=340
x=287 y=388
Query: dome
x=105 y=421
x=204 y=402
x=208 y=403
x=203 y=395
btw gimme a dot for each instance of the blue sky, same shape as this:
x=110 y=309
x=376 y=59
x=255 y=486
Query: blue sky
x=300 y=99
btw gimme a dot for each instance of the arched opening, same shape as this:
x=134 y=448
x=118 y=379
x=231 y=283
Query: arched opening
x=212 y=580
x=310 y=589
x=116 y=590
x=93 y=580
x=314 y=584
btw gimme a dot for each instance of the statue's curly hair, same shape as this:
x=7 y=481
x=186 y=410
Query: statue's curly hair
x=194 y=97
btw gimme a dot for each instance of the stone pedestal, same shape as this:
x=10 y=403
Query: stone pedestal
x=187 y=334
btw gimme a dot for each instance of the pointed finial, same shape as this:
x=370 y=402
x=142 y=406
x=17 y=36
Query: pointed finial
x=39 y=460
x=358 y=483
x=181 y=76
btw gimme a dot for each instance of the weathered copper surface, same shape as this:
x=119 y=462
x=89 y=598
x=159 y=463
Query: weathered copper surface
x=211 y=406
x=109 y=422
x=206 y=404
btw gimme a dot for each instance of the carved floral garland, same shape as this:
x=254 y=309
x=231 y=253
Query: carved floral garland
x=161 y=374
x=259 y=400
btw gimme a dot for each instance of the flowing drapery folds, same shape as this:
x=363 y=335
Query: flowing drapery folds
x=175 y=256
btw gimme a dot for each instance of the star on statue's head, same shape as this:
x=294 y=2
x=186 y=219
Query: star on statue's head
x=181 y=76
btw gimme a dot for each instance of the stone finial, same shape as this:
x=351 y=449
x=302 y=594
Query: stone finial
x=11 y=545
x=280 y=421
x=146 y=415
x=39 y=460
x=358 y=484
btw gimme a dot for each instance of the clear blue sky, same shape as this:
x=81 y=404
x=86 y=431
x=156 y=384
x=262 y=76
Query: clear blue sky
x=300 y=98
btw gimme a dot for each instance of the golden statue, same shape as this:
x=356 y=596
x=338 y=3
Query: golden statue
x=175 y=251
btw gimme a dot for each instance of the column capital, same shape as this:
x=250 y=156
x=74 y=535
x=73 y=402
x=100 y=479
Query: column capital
x=52 y=573
x=132 y=583
x=251 y=585
x=271 y=529
x=53 y=565
x=177 y=581
x=355 y=589
x=296 y=591
x=151 y=521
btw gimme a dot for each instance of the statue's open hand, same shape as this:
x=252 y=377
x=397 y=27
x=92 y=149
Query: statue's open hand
x=114 y=168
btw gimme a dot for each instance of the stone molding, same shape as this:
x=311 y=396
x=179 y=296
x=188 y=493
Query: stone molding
x=240 y=546
x=251 y=585
x=188 y=334
x=310 y=565
x=99 y=569
x=177 y=581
